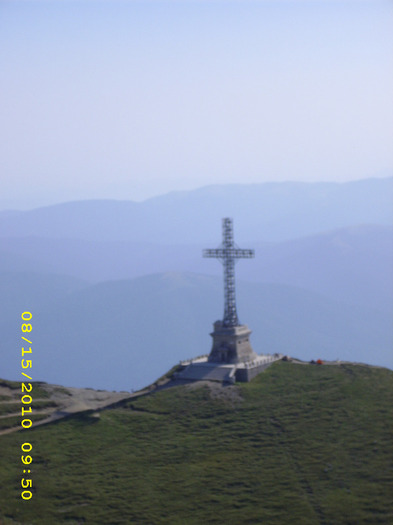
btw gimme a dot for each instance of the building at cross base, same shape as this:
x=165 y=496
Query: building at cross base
x=231 y=344
x=232 y=357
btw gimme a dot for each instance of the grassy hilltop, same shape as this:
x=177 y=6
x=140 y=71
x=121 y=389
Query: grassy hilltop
x=298 y=445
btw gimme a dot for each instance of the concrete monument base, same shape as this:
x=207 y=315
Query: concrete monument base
x=231 y=344
x=202 y=369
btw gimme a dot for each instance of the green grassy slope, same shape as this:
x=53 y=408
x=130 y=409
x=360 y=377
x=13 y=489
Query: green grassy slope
x=298 y=445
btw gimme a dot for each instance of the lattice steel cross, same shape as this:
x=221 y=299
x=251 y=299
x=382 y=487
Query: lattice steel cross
x=228 y=253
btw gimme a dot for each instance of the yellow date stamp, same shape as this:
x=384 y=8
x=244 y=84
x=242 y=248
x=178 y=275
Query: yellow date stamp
x=26 y=409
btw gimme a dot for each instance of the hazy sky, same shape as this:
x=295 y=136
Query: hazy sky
x=126 y=100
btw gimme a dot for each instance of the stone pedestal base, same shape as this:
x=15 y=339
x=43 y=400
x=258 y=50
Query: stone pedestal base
x=231 y=345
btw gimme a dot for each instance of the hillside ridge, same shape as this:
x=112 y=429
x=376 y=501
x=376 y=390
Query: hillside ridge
x=300 y=444
x=54 y=402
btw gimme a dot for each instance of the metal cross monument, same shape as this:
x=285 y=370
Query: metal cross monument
x=228 y=253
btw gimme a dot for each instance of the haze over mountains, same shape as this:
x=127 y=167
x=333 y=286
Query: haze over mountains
x=120 y=292
x=269 y=212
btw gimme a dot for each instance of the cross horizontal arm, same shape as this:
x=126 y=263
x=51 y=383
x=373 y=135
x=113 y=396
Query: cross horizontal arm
x=231 y=253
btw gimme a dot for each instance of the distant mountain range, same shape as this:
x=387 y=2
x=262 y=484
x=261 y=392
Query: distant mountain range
x=353 y=264
x=120 y=291
x=124 y=334
x=262 y=212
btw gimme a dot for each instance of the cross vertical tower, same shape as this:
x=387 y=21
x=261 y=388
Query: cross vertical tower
x=230 y=338
x=228 y=253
